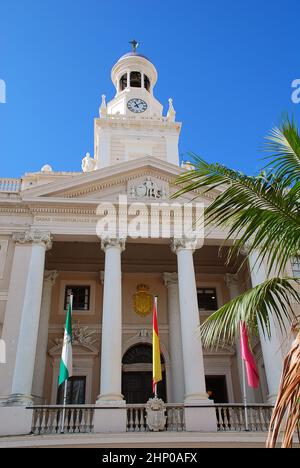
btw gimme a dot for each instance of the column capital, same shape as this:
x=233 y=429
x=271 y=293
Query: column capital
x=170 y=278
x=34 y=236
x=183 y=243
x=109 y=242
x=50 y=277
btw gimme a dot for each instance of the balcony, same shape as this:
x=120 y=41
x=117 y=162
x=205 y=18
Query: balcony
x=10 y=185
x=79 y=419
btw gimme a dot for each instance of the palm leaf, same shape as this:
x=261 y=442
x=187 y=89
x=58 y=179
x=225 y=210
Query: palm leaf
x=287 y=406
x=284 y=145
x=258 y=210
x=253 y=308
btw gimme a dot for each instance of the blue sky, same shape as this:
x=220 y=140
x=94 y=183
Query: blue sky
x=228 y=64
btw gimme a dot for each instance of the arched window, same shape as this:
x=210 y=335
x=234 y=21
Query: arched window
x=147 y=83
x=135 y=79
x=140 y=353
x=123 y=82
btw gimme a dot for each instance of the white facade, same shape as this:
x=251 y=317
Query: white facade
x=49 y=242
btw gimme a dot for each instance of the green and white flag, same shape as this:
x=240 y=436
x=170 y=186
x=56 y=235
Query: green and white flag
x=66 y=362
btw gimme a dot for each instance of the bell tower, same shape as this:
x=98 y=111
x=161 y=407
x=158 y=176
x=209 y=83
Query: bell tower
x=134 y=78
x=132 y=124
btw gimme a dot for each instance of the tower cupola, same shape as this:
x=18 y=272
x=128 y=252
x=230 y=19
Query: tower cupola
x=134 y=77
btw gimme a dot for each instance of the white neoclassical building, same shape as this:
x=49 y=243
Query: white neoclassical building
x=50 y=247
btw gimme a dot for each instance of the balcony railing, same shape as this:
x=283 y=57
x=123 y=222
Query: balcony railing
x=75 y=419
x=56 y=419
x=10 y=185
x=136 y=418
x=237 y=418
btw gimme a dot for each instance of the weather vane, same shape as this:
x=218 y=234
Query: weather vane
x=135 y=45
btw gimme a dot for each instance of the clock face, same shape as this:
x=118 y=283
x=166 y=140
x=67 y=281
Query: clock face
x=137 y=105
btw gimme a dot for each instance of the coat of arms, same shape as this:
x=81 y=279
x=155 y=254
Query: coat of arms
x=156 y=415
x=143 y=301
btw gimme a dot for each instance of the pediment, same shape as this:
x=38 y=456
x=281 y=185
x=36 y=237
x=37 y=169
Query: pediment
x=146 y=180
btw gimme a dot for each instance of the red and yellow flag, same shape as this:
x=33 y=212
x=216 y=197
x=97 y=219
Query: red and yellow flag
x=157 y=374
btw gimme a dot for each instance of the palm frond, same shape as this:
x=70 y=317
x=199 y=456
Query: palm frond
x=254 y=308
x=259 y=211
x=284 y=145
x=287 y=406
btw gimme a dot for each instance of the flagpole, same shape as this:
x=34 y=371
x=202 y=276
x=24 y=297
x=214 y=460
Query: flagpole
x=66 y=386
x=245 y=395
x=64 y=409
x=157 y=376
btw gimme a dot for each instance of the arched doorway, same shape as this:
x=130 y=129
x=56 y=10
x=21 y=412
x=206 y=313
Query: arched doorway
x=137 y=375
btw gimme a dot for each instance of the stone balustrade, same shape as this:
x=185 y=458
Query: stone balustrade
x=80 y=418
x=10 y=185
x=136 y=418
x=56 y=419
x=237 y=418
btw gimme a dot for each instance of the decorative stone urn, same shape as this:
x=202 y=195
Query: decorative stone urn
x=156 y=415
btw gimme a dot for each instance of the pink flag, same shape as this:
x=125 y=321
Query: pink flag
x=247 y=356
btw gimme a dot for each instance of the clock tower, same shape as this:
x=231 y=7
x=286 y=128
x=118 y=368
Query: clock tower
x=132 y=124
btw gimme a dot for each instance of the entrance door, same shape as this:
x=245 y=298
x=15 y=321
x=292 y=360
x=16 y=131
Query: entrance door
x=75 y=391
x=216 y=387
x=137 y=375
x=137 y=387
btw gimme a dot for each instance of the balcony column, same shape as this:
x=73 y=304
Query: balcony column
x=233 y=287
x=272 y=349
x=111 y=352
x=197 y=418
x=42 y=344
x=175 y=341
x=21 y=390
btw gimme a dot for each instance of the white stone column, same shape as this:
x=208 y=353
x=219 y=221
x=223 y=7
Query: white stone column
x=42 y=344
x=190 y=322
x=272 y=349
x=198 y=415
x=31 y=307
x=111 y=353
x=175 y=341
x=233 y=287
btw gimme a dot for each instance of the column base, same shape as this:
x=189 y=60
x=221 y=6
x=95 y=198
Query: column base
x=18 y=399
x=110 y=399
x=197 y=399
x=110 y=418
x=15 y=420
x=200 y=414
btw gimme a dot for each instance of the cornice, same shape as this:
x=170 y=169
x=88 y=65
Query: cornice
x=123 y=179
x=117 y=122
x=57 y=210
x=14 y=210
x=86 y=184
x=107 y=173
